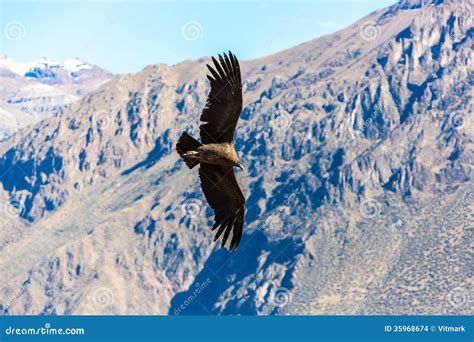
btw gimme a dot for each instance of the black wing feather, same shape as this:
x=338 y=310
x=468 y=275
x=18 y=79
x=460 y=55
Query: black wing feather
x=223 y=194
x=227 y=68
x=224 y=103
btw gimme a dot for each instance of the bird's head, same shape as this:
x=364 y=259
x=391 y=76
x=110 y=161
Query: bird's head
x=240 y=165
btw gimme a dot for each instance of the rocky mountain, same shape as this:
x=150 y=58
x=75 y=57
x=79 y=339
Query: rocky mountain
x=33 y=91
x=358 y=149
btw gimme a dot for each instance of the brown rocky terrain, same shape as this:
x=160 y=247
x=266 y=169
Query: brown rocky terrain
x=358 y=147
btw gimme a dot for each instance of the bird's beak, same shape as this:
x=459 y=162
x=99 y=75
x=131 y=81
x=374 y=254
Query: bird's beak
x=240 y=166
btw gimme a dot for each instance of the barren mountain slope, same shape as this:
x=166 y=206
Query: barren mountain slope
x=359 y=152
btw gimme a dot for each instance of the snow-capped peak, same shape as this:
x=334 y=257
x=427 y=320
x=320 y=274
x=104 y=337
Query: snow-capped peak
x=75 y=64
x=14 y=66
x=20 y=68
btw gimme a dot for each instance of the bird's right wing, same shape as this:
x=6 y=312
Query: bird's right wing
x=224 y=102
x=223 y=194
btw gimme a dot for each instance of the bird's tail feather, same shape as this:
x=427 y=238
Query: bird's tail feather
x=187 y=143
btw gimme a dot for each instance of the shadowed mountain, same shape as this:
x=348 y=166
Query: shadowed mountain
x=359 y=155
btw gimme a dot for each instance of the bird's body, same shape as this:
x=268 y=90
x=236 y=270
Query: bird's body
x=215 y=153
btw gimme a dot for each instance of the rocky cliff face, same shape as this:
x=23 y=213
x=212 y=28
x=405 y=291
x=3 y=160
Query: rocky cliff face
x=359 y=156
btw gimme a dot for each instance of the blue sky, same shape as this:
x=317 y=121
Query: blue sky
x=125 y=36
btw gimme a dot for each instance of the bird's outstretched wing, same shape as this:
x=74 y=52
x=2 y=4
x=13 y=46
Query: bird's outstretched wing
x=223 y=194
x=224 y=103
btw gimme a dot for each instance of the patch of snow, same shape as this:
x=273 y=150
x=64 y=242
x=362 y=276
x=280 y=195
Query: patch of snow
x=14 y=66
x=20 y=68
x=75 y=64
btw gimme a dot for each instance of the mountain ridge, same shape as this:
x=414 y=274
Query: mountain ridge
x=42 y=88
x=346 y=140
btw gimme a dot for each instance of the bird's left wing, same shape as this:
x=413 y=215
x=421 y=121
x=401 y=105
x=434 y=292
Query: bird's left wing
x=223 y=194
x=224 y=103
